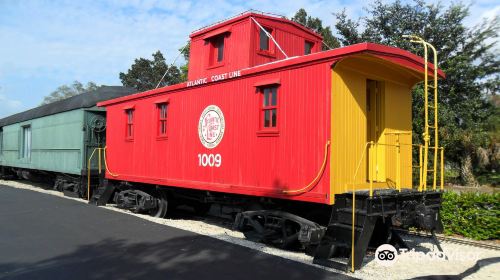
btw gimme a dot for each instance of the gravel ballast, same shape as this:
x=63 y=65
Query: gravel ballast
x=463 y=261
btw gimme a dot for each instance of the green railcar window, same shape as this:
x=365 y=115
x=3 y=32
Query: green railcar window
x=26 y=144
x=1 y=141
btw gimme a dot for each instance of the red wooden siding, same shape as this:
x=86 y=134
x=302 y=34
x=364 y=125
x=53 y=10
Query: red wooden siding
x=252 y=163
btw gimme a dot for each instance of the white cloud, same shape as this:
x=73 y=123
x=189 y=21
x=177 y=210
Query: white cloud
x=482 y=10
x=55 y=42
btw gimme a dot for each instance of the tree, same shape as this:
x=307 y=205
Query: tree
x=317 y=25
x=467 y=56
x=347 y=29
x=185 y=67
x=66 y=91
x=145 y=74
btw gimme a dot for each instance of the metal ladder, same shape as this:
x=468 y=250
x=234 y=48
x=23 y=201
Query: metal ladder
x=434 y=108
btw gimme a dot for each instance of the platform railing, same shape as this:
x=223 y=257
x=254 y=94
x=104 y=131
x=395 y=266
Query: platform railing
x=370 y=147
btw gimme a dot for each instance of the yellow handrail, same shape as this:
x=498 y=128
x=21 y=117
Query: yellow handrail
x=99 y=156
x=420 y=181
x=106 y=164
x=360 y=161
x=88 y=174
x=99 y=162
x=316 y=179
x=352 y=227
x=442 y=169
x=354 y=202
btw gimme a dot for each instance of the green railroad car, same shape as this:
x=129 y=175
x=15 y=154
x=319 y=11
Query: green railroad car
x=53 y=142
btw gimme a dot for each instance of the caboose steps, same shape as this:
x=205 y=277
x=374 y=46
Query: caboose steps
x=375 y=219
x=102 y=193
x=336 y=244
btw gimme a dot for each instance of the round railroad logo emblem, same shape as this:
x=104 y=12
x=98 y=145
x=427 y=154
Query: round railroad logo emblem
x=211 y=127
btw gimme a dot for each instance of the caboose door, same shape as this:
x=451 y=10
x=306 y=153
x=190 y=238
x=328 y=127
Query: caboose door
x=375 y=127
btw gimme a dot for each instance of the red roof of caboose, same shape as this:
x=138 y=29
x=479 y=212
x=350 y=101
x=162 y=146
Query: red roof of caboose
x=247 y=15
x=391 y=54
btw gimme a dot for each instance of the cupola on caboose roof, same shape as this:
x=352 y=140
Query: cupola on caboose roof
x=239 y=43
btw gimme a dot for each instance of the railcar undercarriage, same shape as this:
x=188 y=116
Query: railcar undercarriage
x=69 y=184
x=376 y=219
x=279 y=228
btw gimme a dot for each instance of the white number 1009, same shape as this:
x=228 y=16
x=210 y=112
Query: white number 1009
x=209 y=160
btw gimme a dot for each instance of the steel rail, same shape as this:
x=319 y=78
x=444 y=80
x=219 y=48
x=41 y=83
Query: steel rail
x=449 y=239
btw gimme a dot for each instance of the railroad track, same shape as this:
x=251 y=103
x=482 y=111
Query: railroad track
x=461 y=241
x=469 y=242
x=226 y=223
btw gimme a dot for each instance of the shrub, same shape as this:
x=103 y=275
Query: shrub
x=472 y=215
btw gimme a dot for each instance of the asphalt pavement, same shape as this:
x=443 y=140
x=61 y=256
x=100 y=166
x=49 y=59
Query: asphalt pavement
x=48 y=237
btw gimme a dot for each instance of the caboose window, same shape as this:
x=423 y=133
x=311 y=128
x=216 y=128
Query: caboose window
x=219 y=45
x=264 y=40
x=217 y=49
x=308 y=47
x=130 y=124
x=269 y=114
x=162 y=109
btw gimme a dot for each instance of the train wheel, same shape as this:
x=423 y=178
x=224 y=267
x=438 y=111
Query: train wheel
x=162 y=210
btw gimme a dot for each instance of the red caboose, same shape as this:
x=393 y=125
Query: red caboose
x=246 y=122
x=270 y=117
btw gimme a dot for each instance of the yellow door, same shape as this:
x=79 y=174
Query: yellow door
x=375 y=128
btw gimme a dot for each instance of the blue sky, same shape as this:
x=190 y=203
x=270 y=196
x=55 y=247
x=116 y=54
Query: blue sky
x=45 y=44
